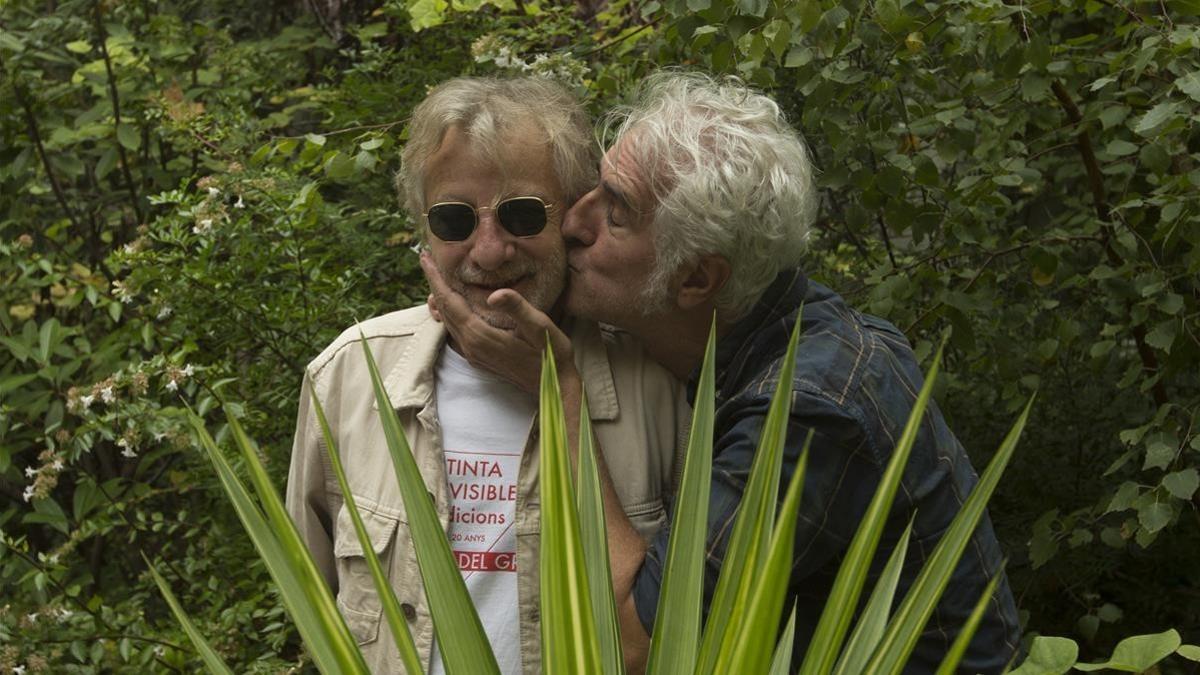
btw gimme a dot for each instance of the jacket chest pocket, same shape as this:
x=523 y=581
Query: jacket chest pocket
x=357 y=598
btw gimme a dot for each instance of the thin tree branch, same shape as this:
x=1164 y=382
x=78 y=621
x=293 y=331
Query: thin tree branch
x=36 y=136
x=1104 y=213
x=102 y=43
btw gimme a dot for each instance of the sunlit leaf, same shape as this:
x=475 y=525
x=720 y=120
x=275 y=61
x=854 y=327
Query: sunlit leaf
x=391 y=606
x=326 y=635
x=594 y=537
x=460 y=636
x=781 y=662
x=744 y=554
x=674 y=644
x=1138 y=653
x=745 y=654
x=569 y=643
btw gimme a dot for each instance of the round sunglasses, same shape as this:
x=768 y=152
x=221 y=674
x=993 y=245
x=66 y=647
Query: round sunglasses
x=455 y=221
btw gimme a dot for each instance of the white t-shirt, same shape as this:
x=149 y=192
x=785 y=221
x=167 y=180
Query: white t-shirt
x=485 y=422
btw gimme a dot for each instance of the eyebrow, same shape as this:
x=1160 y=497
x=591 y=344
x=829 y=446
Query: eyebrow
x=616 y=194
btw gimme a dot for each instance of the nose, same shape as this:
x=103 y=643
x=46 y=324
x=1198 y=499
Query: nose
x=491 y=246
x=580 y=222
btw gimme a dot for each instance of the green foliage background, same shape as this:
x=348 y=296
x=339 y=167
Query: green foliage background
x=195 y=197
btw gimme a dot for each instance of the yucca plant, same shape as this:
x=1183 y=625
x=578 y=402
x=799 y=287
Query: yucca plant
x=580 y=633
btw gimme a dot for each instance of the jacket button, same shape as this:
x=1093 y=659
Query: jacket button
x=410 y=612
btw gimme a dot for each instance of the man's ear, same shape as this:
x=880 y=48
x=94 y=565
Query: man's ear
x=702 y=280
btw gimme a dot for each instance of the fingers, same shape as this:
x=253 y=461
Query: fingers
x=451 y=308
x=434 y=310
x=531 y=322
x=532 y=325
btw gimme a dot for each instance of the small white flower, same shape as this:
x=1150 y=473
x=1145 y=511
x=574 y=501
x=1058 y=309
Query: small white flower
x=130 y=248
x=213 y=192
x=128 y=452
x=164 y=312
x=18 y=670
x=32 y=617
x=239 y=204
x=28 y=495
x=203 y=226
x=30 y=472
x=172 y=385
x=159 y=435
x=52 y=558
x=123 y=442
x=188 y=370
x=122 y=292
x=64 y=613
x=159 y=650
x=107 y=395
x=57 y=465
x=86 y=400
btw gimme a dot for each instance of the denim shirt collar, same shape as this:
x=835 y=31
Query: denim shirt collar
x=782 y=297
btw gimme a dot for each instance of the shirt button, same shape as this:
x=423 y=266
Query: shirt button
x=409 y=611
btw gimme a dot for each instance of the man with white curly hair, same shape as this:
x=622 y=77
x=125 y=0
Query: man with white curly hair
x=703 y=205
x=488 y=170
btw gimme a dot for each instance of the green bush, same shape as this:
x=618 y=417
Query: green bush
x=1022 y=173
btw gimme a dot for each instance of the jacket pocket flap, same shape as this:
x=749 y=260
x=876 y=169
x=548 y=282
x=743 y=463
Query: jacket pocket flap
x=379 y=526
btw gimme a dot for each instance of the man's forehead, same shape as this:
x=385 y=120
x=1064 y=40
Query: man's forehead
x=518 y=161
x=623 y=177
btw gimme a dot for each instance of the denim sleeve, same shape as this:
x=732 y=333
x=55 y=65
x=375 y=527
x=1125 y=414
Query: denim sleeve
x=841 y=477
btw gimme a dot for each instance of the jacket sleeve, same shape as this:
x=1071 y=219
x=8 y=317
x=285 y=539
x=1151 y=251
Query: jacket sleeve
x=310 y=501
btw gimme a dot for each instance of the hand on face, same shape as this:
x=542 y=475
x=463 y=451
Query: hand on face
x=514 y=354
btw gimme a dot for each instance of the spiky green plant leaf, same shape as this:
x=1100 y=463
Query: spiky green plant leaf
x=914 y=611
x=781 y=662
x=770 y=589
x=594 y=536
x=210 y=657
x=391 y=606
x=875 y=614
x=839 y=609
x=460 y=636
x=949 y=664
x=745 y=555
x=569 y=643
x=674 y=644
x=307 y=598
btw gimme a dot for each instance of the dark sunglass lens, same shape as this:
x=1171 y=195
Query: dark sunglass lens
x=523 y=217
x=451 y=222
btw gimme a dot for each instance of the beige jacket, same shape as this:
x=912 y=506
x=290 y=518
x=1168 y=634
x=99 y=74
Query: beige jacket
x=639 y=414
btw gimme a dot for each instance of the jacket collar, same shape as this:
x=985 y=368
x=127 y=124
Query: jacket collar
x=782 y=297
x=409 y=384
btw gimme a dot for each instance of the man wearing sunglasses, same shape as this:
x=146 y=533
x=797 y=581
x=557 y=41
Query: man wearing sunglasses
x=701 y=210
x=488 y=171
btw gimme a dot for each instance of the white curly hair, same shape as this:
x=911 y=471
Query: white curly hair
x=730 y=177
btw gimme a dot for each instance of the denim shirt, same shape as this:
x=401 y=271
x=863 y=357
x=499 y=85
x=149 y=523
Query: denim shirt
x=855 y=382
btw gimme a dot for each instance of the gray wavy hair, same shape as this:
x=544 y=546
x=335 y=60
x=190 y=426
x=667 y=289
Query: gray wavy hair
x=730 y=175
x=489 y=109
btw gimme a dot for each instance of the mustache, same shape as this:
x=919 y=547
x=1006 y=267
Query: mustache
x=471 y=274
